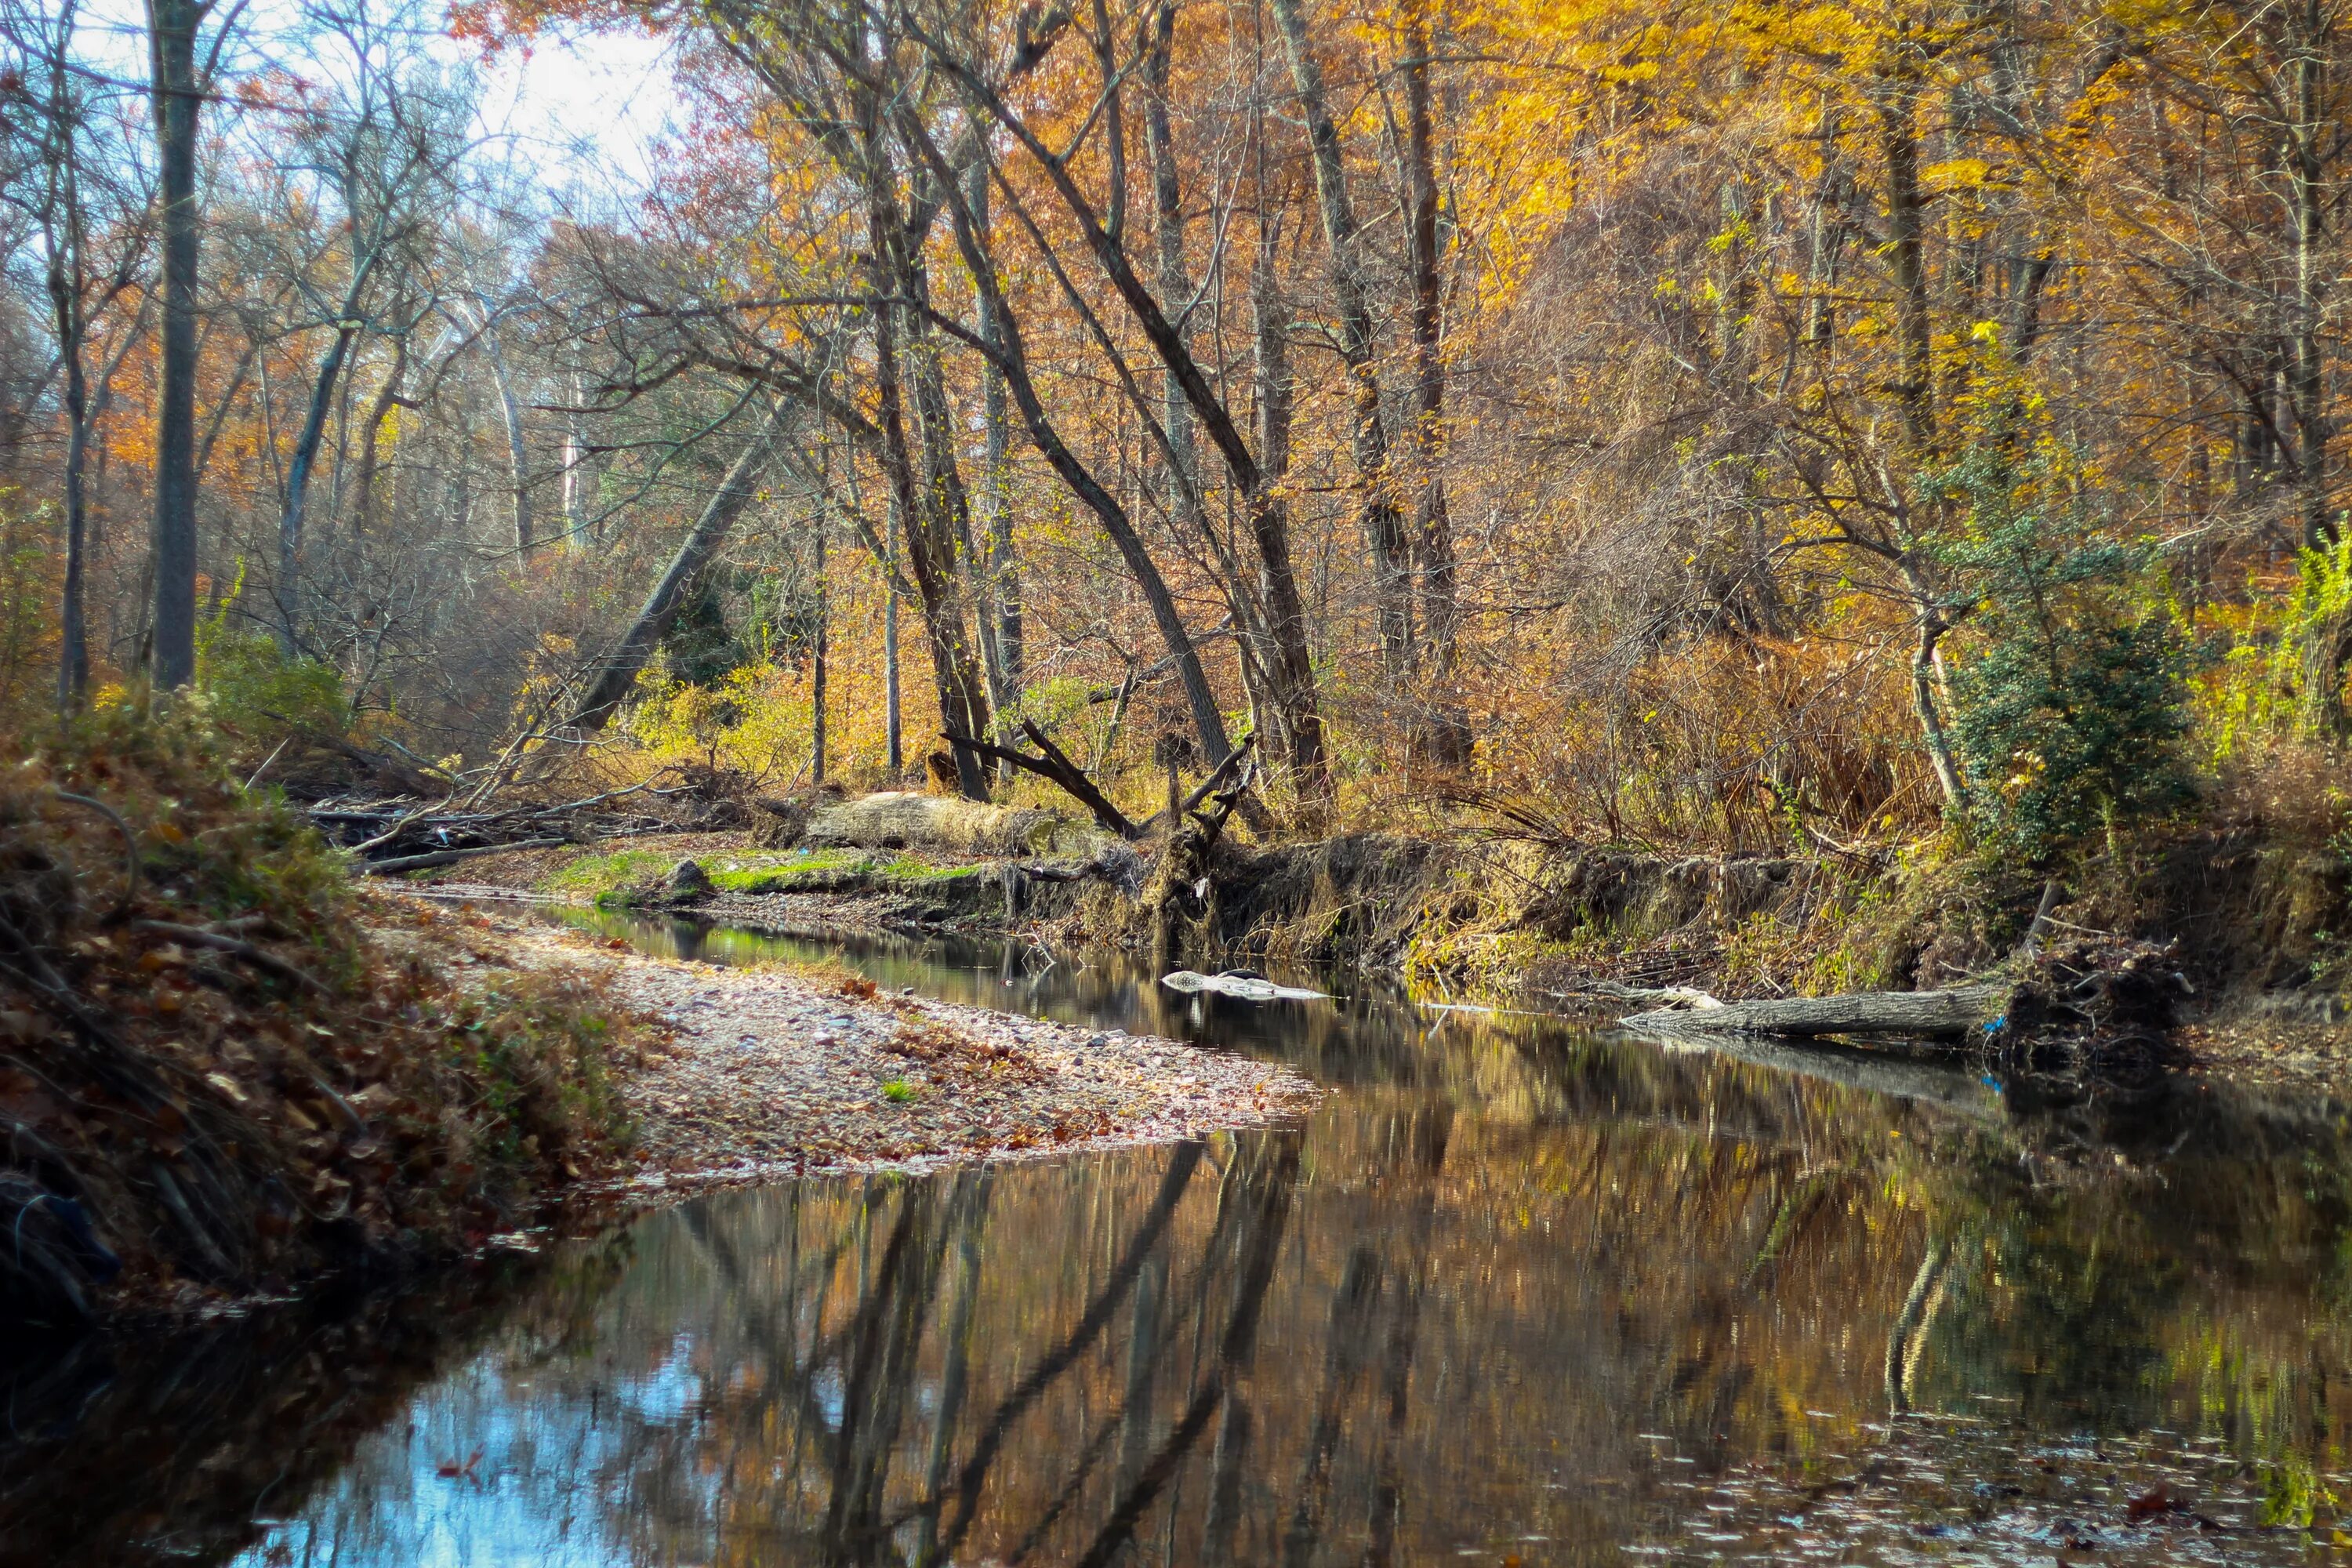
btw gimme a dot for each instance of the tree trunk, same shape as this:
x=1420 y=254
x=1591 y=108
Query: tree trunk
x=1926 y=703
x=1289 y=669
x=1000 y=588
x=893 y=712
x=2306 y=196
x=305 y=459
x=1449 y=738
x=929 y=560
x=1906 y=225
x=518 y=454
x=379 y=409
x=1383 y=523
x=659 y=612
x=576 y=456
x=172 y=50
x=63 y=221
x=1175 y=279
x=818 y=670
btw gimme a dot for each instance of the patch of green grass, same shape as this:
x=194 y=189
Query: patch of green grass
x=907 y=868
x=898 y=1091
x=828 y=867
x=778 y=873
x=596 y=875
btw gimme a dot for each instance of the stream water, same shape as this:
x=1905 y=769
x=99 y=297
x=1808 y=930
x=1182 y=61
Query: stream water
x=1517 y=1293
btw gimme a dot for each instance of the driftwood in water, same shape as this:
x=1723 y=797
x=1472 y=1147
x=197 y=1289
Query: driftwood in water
x=1951 y=1012
x=1249 y=987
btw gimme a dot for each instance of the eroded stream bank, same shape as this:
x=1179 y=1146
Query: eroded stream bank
x=1515 y=1290
x=2226 y=932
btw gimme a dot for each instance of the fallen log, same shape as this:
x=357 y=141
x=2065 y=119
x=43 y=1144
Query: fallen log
x=1953 y=1012
x=1668 y=996
x=451 y=857
x=1247 y=988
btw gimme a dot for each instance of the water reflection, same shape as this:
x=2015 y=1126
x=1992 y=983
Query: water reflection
x=1521 y=1291
x=1400 y=1334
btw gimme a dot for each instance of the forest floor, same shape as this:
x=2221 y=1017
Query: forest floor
x=773 y=1070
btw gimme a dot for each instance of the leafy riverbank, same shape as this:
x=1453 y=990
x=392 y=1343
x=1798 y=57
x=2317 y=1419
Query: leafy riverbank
x=2243 y=910
x=227 y=1070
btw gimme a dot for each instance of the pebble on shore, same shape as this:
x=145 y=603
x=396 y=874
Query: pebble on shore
x=771 y=1071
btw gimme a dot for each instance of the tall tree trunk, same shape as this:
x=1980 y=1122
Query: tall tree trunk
x=171 y=50
x=1175 y=279
x=575 y=457
x=62 y=218
x=893 y=709
x=1449 y=737
x=930 y=559
x=1906 y=203
x=518 y=453
x=1289 y=667
x=660 y=611
x=2308 y=195
x=818 y=670
x=1000 y=595
x=379 y=409
x=306 y=457
x=1383 y=522
x=1927 y=703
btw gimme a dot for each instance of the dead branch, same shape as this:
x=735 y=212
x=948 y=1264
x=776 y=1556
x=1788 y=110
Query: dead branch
x=130 y=850
x=1055 y=767
x=451 y=857
x=220 y=942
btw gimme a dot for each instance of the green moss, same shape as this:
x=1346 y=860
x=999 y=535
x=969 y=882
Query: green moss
x=898 y=1091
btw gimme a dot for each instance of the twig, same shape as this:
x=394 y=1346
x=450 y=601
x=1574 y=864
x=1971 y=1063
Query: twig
x=267 y=763
x=270 y=963
x=130 y=849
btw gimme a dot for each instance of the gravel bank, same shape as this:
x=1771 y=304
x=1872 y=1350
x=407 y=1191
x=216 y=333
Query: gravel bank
x=776 y=1070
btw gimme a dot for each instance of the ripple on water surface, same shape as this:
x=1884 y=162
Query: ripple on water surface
x=1519 y=1292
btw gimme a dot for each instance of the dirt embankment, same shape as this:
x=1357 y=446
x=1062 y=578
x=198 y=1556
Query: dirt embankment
x=222 y=1073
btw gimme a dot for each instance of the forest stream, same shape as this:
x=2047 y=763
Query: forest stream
x=1517 y=1293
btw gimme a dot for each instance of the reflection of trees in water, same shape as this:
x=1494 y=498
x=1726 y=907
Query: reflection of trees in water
x=1377 y=1339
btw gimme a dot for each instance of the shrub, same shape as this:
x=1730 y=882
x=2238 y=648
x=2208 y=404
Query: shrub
x=245 y=674
x=2068 y=707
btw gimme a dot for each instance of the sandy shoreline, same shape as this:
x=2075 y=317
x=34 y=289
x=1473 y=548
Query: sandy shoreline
x=768 y=1072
